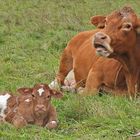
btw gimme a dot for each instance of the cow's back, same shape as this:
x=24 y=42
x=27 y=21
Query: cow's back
x=80 y=47
x=77 y=42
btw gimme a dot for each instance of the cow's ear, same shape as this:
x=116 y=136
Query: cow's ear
x=138 y=27
x=25 y=90
x=56 y=94
x=98 y=21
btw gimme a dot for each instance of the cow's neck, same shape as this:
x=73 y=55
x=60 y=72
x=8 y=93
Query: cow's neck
x=137 y=50
x=131 y=60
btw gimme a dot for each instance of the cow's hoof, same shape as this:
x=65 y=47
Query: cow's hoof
x=51 y=125
x=68 y=89
x=54 y=85
x=137 y=134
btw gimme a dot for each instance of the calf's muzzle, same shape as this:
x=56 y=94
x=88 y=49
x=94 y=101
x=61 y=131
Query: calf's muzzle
x=40 y=107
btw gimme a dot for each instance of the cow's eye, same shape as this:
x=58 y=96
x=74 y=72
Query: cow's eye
x=127 y=26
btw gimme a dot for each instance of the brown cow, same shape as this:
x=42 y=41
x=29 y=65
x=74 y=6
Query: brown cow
x=80 y=56
x=32 y=106
x=120 y=39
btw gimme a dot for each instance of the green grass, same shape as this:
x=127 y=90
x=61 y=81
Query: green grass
x=33 y=34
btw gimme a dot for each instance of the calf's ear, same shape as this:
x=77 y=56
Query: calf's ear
x=98 y=21
x=56 y=94
x=25 y=90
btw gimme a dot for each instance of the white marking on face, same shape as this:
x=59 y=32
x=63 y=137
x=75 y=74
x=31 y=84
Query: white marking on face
x=3 y=103
x=40 y=91
x=27 y=100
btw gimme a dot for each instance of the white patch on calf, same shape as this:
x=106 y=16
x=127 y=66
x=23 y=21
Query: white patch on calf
x=40 y=91
x=27 y=100
x=3 y=103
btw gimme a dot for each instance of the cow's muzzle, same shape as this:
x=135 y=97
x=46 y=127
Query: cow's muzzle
x=101 y=42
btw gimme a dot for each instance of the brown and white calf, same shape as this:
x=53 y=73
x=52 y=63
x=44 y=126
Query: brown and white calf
x=33 y=106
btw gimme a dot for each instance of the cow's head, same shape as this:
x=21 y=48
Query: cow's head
x=119 y=32
x=41 y=96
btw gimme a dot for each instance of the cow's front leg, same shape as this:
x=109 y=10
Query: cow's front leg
x=131 y=81
x=93 y=83
x=65 y=67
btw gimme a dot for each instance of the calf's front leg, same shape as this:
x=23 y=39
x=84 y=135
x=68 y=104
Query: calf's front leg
x=19 y=121
x=52 y=118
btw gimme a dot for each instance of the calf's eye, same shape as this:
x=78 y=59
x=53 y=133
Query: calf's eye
x=48 y=96
x=33 y=95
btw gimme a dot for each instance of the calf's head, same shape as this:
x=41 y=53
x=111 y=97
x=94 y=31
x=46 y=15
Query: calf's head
x=41 y=98
x=118 y=33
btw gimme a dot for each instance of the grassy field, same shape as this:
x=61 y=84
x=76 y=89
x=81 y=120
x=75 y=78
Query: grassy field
x=33 y=34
